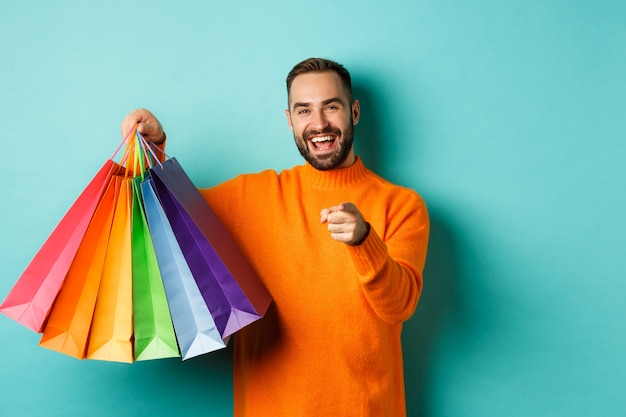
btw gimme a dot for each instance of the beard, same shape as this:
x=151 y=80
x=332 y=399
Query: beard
x=331 y=160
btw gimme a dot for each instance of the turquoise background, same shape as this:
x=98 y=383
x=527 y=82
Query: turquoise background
x=509 y=117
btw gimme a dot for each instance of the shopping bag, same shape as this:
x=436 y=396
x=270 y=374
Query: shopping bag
x=114 y=280
x=31 y=298
x=195 y=329
x=67 y=328
x=153 y=331
x=230 y=286
x=111 y=332
x=229 y=307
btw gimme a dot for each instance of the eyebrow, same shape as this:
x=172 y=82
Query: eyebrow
x=324 y=103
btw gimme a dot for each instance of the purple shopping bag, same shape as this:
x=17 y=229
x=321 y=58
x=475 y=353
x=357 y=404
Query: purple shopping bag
x=195 y=329
x=232 y=290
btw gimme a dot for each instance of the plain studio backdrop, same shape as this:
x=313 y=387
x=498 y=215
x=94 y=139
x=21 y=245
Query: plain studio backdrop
x=509 y=117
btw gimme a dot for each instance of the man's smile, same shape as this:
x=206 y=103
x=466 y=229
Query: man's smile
x=323 y=143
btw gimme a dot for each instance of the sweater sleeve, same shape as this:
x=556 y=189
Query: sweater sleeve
x=390 y=269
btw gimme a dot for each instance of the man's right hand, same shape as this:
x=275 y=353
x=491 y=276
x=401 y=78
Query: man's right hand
x=147 y=125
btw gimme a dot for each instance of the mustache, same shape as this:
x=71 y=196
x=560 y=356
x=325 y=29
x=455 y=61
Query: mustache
x=331 y=130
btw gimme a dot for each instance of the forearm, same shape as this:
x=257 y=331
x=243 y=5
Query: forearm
x=391 y=287
x=390 y=269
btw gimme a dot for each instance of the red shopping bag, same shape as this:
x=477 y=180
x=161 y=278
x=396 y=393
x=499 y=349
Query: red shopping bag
x=68 y=325
x=30 y=300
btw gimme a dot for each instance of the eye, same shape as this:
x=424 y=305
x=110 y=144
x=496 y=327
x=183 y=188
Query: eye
x=332 y=107
x=302 y=111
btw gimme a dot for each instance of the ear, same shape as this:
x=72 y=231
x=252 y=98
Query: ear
x=356 y=112
x=289 y=122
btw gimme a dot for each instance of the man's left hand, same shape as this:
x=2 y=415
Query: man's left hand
x=345 y=223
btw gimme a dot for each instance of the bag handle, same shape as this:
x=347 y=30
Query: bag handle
x=139 y=154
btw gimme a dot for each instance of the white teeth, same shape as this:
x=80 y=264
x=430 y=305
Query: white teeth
x=322 y=139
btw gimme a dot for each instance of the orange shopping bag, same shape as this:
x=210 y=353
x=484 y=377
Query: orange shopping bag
x=111 y=336
x=67 y=329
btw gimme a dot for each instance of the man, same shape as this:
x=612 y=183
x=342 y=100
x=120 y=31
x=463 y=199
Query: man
x=340 y=250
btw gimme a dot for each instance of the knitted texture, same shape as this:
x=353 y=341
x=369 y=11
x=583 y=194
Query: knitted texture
x=330 y=344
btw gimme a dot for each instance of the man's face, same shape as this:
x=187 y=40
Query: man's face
x=322 y=120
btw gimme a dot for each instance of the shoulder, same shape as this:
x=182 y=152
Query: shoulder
x=249 y=179
x=399 y=195
x=249 y=184
x=240 y=192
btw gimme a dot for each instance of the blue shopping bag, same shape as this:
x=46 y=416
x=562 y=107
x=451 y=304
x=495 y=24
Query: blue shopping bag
x=195 y=328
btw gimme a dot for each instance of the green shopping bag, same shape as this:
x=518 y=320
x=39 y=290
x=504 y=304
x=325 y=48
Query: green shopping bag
x=154 y=332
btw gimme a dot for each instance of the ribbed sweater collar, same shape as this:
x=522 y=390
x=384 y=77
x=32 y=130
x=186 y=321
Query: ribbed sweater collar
x=336 y=178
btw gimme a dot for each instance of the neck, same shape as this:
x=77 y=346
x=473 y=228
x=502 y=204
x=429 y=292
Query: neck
x=350 y=160
x=336 y=178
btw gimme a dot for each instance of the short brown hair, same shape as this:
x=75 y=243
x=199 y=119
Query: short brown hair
x=321 y=65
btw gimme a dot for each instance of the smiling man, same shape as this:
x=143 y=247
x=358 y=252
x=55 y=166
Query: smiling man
x=341 y=251
x=322 y=116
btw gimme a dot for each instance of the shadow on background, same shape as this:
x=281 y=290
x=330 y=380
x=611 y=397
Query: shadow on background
x=367 y=132
x=440 y=297
x=198 y=386
x=439 y=300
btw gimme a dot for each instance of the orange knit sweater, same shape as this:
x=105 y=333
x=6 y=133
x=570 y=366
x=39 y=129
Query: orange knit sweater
x=330 y=345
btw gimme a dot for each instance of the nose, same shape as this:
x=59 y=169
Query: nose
x=319 y=121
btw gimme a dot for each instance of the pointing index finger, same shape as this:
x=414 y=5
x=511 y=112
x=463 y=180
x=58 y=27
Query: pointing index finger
x=325 y=213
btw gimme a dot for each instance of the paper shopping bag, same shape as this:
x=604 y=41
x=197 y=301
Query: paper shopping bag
x=232 y=290
x=67 y=328
x=153 y=331
x=111 y=332
x=31 y=298
x=230 y=308
x=195 y=329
